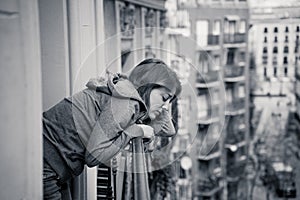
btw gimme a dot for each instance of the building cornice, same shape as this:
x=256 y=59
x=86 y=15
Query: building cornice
x=158 y=4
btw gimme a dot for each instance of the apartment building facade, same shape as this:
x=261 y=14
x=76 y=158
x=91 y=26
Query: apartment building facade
x=218 y=52
x=274 y=43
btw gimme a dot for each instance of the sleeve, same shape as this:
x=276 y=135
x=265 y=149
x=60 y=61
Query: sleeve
x=113 y=130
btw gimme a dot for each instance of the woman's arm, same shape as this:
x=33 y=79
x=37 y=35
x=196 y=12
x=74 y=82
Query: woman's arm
x=112 y=132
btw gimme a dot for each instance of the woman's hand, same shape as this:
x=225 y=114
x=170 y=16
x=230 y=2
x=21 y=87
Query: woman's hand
x=163 y=125
x=148 y=132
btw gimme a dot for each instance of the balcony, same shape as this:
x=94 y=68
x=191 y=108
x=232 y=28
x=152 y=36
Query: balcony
x=211 y=117
x=235 y=138
x=236 y=107
x=234 y=73
x=236 y=38
x=235 y=134
x=208 y=187
x=208 y=80
x=236 y=169
x=213 y=39
x=209 y=149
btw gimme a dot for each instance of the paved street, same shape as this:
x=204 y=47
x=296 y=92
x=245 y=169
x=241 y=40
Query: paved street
x=271 y=137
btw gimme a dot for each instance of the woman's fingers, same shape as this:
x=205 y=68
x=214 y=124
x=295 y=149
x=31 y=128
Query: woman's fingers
x=148 y=131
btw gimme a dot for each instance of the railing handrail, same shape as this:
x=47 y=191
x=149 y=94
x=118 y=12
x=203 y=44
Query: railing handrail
x=139 y=171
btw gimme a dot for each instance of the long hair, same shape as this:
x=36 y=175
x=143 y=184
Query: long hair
x=155 y=72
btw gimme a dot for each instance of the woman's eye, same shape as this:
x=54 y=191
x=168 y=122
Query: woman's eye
x=165 y=97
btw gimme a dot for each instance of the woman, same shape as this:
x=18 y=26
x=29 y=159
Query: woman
x=92 y=126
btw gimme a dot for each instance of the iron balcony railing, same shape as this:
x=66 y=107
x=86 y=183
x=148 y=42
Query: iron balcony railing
x=234 y=38
x=236 y=169
x=235 y=107
x=233 y=71
x=234 y=137
x=208 y=187
x=213 y=39
x=210 y=76
x=207 y=148
x=211 y=117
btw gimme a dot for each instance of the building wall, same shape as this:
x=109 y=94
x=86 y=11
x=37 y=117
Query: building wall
x=21 y=102
x=211 y=56
x=272 y=59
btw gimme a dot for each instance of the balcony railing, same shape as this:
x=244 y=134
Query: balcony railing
x=234 y=72
x=234 y=38
x=234 y=137
x=211 y=117
x=208 y=79
x=236 y=107
x=208 y=187
x=208 y=149
x=236 y=169
x=213 y=39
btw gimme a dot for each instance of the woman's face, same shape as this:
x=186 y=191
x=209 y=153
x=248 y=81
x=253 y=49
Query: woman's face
x=159 y=98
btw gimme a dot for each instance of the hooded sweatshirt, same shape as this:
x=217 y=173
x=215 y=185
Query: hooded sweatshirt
x=91 y=126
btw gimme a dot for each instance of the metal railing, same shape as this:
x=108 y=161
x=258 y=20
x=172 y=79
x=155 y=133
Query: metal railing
x=140 y=176
x=232 y=71
x=213 y=39
x=236 y=105
x=212 y=114
x=234 y=38
x=210 y=76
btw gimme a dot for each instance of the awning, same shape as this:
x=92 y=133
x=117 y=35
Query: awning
x=232 y=17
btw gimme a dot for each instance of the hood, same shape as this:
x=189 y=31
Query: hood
x=117 y=85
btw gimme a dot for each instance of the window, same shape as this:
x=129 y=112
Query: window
x=265 y=60
x=242 y=26
x=265 y=30
x=275 y=50
x=265 y=50
x=202 y=104
x=242 y=56
x=265 y=72
x=202 y=32
x=217 y=63
x=275 y=60
x=286 y=39
x=275 y=39
x=286 y=29
x=216 y=27
x=275 y=71
x=265 y=40
x=286 y=49
x=285 y=60
x=203 y=62
x=241 y=91
x=230 y=57
x=232 y=27
x=229 y=95
x=285 y=71
x=275 y=30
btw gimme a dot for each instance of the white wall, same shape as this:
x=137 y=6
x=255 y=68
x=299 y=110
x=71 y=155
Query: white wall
x=20 y=116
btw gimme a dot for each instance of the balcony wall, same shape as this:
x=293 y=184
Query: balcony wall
x=207 y=187
x=236 y=169
x=210 y=76
x=213 y=39
x=235 y=106
x=232 y=71
x=212 y=115
x=234 y=38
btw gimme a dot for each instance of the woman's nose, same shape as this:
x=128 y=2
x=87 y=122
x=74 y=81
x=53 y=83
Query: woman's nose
x=166 y=104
